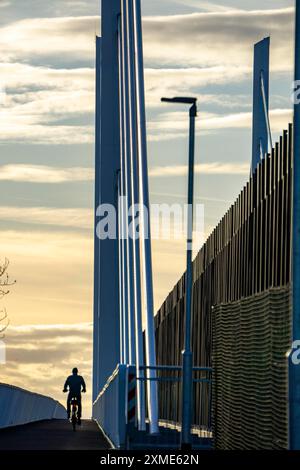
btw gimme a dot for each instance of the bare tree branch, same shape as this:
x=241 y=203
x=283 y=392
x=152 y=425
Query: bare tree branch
x=4 y=319
x=5 y=282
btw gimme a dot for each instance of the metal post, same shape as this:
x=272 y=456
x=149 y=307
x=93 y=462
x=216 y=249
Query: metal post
x=187 y=357
x=135 y=223
x=121 y=258
x=123 y=207
x=127 y=13
x=127 y=178
x=96 y=240
x=145 y=224
x=260 y=101
x=266 y=109
x=294 y=370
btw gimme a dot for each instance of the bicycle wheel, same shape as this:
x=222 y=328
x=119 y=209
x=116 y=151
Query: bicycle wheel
x=74 y=420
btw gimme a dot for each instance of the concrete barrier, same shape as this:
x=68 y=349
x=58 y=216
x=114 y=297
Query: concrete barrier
x=19 y=406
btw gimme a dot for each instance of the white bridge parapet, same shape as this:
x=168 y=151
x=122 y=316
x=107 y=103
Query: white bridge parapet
x=19 y=406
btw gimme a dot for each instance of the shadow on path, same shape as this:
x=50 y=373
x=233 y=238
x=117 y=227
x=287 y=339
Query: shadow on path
x=53 y=435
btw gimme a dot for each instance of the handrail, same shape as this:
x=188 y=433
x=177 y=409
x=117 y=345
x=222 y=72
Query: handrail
x=171 y=379
x=109 y=381
x=170 y=386
x=177 y=368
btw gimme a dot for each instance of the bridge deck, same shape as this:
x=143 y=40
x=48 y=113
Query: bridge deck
x=53 y=435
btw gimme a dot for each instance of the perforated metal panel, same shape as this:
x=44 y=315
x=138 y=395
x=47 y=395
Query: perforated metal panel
x=251 y=338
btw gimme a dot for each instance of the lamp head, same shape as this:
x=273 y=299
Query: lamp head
x=182 y=100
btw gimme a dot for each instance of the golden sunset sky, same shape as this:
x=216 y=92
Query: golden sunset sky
x=47 y=78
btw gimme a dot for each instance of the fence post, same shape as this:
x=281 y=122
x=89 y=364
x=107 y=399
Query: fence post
x=131 y=396
x=294 y=370
x=96 y=240
x=122 y=405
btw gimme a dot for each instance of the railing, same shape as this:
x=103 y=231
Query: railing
x=248 y=253
x=170 y=397
x=18 y=406
x=114 y=410
x=110 y=407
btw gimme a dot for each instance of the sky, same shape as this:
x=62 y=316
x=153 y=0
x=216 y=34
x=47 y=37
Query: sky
x=47 y=49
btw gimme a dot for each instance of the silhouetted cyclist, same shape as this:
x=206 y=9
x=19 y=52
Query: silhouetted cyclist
x=76 y=385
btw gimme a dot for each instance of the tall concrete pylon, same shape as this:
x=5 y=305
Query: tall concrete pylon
x=106 y=298
x=261 y=126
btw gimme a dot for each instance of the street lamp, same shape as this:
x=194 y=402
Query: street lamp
x=187 y=357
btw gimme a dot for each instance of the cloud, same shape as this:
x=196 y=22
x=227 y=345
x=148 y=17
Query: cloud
x=279 y=118
x=22 y=123
x=206 y=6
x=32 y=133
x=174 y=125
x=183 y=196
x=215 y=168
x=54 y=273
x=59 y=332
x=46 y=105
x=20 y=78
x=202 y=38
x=44 y=37
x=31 y=114
x=176 y=81
x=44 y=174
x=198 y=38
x=40 y=357
x=60 y=217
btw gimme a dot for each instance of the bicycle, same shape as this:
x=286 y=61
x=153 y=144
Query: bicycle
x=73 y=406
x=74 y=409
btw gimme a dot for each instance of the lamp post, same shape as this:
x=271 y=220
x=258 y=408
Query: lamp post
x=187 y=357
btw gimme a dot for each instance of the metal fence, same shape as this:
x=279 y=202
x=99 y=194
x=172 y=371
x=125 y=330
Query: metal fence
x=168 y=380
x=247 y=253
x=18 y=406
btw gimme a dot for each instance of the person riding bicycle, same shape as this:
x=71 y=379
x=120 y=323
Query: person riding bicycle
x=75 y=384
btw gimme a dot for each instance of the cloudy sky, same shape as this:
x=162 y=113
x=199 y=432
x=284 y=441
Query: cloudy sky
x=204 y=48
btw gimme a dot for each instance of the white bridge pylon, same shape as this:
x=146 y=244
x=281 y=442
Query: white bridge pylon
x=123 y=286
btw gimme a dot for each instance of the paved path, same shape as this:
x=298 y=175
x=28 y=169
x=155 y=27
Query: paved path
x=53 y=435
